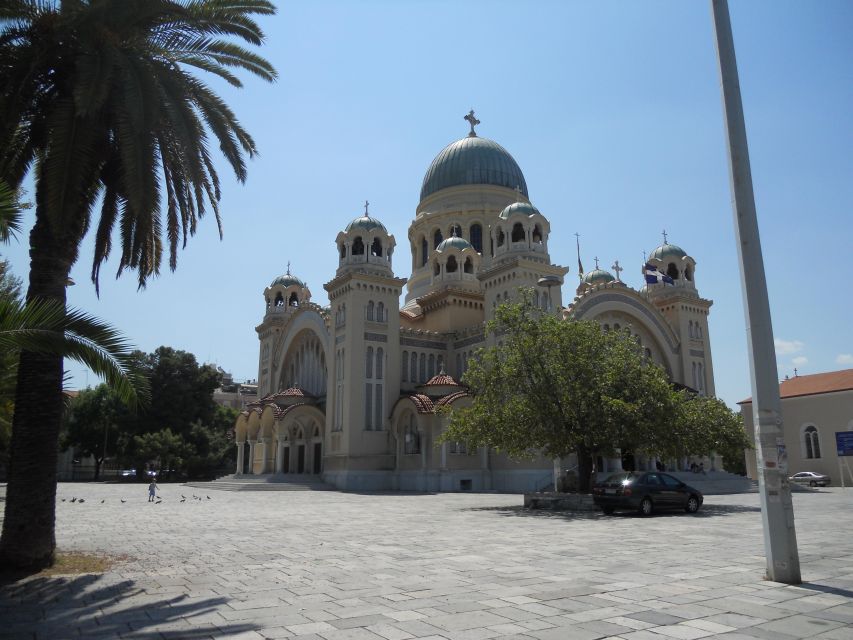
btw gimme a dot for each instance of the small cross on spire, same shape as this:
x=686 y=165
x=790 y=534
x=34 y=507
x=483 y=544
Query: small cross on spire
x=596 y=262
x=366 y=204
x=618 y=270
x=472 y=120
x=664 y=236
x=645 y=259
x=288 y=267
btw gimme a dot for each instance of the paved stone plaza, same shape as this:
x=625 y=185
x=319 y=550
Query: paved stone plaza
x=335 y=566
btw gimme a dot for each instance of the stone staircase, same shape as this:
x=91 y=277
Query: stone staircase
x=265 y=482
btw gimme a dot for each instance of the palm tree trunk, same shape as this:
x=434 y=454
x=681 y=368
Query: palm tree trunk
x=28 y=539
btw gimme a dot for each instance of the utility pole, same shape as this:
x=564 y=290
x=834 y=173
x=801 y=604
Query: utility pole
x=777 y=511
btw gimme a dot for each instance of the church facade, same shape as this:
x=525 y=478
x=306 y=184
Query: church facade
x=350 y=391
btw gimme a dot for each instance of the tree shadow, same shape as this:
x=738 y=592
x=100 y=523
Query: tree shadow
x=84 y=606
x=707 y=511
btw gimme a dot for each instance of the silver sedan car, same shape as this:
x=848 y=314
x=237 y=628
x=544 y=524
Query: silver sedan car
x=810 y=478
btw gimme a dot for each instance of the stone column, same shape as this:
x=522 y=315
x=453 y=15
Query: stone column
x=279 y=456
x=484 y=465
x=444 y=446
x=239 y=459
x=252 y=444
x=264 y=453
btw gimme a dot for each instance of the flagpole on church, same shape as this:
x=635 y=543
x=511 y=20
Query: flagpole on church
x=777 y=511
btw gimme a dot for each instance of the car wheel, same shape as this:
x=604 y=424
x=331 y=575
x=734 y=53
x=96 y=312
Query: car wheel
x=646 y=507
x=692 y=504
x=608 y=511
x=812 y=483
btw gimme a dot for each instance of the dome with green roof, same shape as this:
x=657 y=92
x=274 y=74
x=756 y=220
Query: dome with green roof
x=455 y=242
x=598 y=276
x=473 y=160
x=667 y=250
x=524 y=208
x=287 y=280
x=366 y=223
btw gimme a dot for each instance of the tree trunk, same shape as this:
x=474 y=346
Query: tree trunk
x=28 y=539
x=98 y=464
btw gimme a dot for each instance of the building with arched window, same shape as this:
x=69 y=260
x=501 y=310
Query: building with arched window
x=352 y=390
x=814 y=408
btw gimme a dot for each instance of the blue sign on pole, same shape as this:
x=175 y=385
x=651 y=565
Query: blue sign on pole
x=844 y=443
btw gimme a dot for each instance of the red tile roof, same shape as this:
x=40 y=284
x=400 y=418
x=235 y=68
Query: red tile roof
x=814 y=384
x=451 y=398
x=423 y=403
x=442 y=379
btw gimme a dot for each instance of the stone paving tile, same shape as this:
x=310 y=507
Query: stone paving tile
x=333 y=566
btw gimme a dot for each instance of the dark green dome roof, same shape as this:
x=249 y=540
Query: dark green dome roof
x=286 y=280
x=667 y=250
x=455 y=242
x=598 y=276
x=524 y=208
x=473 y=160
x=366 y=223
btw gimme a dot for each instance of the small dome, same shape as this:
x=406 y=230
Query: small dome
x=598 y=276
x=287 y=280
x=524 y=208
x=473 y=160
x=667 y=250
x=366 y=223
x=454 y=241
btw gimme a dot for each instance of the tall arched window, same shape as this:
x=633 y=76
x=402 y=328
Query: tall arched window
x=368 y=372
x=501 y=237
x=518 y=234
x=811 y=442
x=451 y=265
x=358 y=247
x=380 y=312
x=422 y=369
x=424 y=251
x=469 y=265
x=476 y=233
x=672 y=271
x=411 y=438
x=414 y=369
x=437 y=238
x=376 y=248
x=370 y=314
x=379 y=362
x=404 y=367
x=431 y=367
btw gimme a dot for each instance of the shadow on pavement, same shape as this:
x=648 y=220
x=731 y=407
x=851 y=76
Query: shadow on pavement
x=823 y=588
x=83 y=606
x=707 y=511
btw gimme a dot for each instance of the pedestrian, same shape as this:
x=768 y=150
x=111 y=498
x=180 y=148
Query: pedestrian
x=152 y=489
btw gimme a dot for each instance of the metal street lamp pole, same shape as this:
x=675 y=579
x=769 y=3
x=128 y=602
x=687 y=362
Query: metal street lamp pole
x=777 y=511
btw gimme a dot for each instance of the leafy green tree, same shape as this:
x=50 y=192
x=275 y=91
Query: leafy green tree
x=164 y=447
x=98 y=102
x=92 y=424
x=559 y=387
x=713 y=428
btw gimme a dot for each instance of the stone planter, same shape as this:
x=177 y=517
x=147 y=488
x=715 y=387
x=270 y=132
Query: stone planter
x=559 y=501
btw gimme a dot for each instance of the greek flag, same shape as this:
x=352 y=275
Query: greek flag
x=653 y=275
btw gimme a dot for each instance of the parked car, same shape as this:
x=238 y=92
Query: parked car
x=645 y=492
x=810 y=478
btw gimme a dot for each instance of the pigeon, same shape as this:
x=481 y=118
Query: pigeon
x=123 y=500
x=208 y=497
x=159 y=501
x=183 y=496
x=63 y=499
x=183 y=499
x=80 y=501
x=102 y=501
x=73 y=499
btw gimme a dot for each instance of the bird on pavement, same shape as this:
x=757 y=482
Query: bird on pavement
x=183 y=496
x=159 y=500
x=73 y=499
x=102 y=501
x=80 y=501
x=183 y=499
x=63 y=499
x=123 y=500
x=208 y=497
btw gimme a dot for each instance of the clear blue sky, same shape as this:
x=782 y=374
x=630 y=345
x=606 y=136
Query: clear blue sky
x=613 y=112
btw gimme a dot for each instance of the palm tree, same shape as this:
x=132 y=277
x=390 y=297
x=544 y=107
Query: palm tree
x=99 y=104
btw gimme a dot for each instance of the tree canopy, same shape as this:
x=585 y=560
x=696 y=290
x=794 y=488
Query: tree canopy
x=560 y=387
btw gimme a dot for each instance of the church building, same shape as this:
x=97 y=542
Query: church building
x=350 y=391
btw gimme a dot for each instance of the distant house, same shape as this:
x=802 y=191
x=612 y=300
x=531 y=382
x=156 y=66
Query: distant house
x=235 y=394
x=814 y=409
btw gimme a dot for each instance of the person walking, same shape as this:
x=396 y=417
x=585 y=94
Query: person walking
x=152 y=490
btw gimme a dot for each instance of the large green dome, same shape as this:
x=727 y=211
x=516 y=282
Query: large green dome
x=454 y=241
x=598 y=276
x=667 y=250
x=366 y=223
x=286 y=280
x=524 y=208
x=473 y=160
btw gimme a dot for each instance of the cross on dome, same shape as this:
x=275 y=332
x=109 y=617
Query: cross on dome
x=596 y=262
x=472 y=120
x=618 y=270
x=366 y=204
x=288 y=267
x=664 y=236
